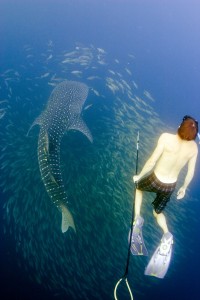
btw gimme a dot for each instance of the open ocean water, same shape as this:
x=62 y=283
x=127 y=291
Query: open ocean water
x=140 y=61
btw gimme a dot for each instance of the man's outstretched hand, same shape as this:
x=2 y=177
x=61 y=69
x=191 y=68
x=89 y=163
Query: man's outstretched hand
x=181 y=193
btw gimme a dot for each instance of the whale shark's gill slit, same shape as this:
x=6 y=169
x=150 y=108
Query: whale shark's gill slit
x=63 y=113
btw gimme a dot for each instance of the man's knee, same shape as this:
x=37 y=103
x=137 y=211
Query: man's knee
x=138 y=192
x=154 y=213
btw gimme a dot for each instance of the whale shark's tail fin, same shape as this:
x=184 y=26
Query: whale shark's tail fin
x=67 y=219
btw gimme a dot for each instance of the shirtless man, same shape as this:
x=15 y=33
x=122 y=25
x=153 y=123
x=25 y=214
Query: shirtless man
x=160 y=173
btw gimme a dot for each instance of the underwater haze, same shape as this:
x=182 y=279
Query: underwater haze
x=139 y=61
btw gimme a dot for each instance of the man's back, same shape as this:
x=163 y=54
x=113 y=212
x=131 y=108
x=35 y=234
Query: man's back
x=175 y=154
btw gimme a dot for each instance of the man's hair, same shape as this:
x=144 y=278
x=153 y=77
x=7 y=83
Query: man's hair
x=188 y=129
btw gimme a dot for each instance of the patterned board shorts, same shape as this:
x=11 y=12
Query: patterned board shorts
x=163 y=191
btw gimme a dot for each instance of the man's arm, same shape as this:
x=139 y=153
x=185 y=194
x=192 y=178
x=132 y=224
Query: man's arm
x=189 y=176
x=149 y=165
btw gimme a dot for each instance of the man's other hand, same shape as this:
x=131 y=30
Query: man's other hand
x=181 y=193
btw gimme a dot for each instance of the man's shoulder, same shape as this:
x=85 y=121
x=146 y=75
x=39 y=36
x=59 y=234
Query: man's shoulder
x=194 y=146
x=167 y=135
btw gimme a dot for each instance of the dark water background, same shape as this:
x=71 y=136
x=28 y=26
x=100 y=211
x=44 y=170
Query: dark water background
x=163 y=38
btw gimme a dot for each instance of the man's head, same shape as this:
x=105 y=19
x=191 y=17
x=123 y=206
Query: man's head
x=188 y=129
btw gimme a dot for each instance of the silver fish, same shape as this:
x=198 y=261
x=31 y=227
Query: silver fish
x=63 y=113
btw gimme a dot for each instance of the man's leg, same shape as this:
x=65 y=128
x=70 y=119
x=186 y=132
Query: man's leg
x=161 y=220
x=137 y=242
x=138 y=202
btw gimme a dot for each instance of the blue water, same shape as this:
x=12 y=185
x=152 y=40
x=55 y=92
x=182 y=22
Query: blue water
x=164 y=38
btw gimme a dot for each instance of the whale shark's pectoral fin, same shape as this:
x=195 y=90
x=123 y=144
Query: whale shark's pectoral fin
x=82 y=127
x=67 y=219
x=36 y=122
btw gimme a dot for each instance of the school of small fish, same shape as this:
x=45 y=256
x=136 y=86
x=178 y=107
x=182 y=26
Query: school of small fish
x=97 y=176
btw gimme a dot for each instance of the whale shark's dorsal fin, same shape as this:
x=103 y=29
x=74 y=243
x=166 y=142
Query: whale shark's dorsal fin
x=46 y=142
x=80 y=125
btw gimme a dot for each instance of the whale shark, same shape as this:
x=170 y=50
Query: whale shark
x=62 y=113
